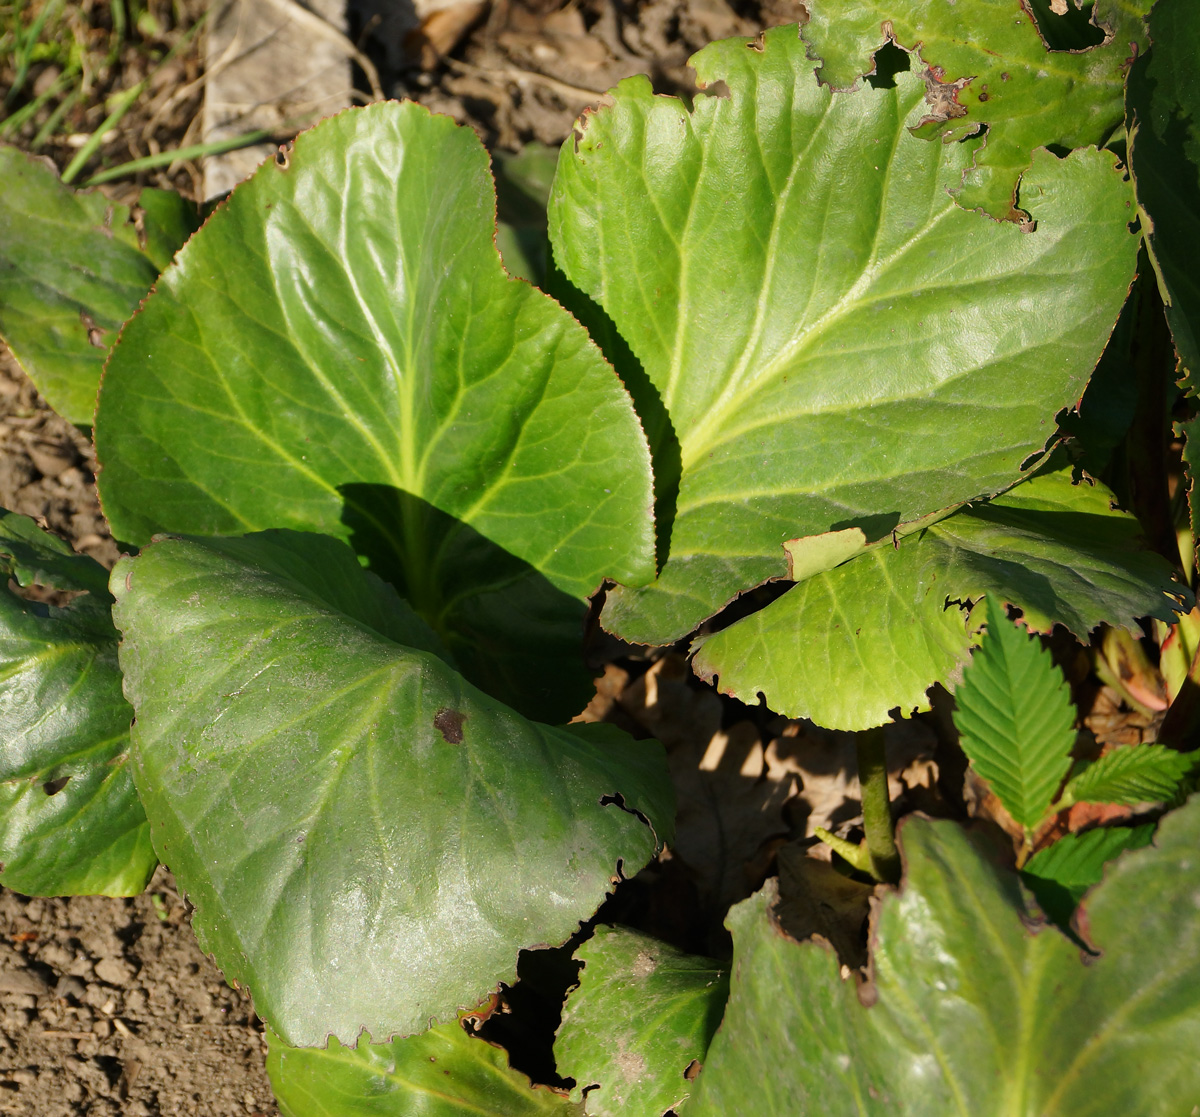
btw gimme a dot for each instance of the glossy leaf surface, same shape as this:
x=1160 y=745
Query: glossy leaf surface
x=834 y=341
x=1163 y=110
x=1015 y=718
x=73 y=267
x=340 y=350
x=1138 y=774
x=643 y=1012
x=443 y=1072
x=368 y=839
x=1026 y=95
x=975 y=1013
x=853 y=641
x=1060 y=875
x=70 y=819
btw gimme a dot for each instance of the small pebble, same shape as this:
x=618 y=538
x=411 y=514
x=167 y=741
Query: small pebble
x=22 y=983
x=70 y=986
x=114 y=971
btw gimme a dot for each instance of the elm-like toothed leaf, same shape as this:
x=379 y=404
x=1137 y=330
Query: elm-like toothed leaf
x=1015 y=718
x=1060 y=875
x=1132 y=775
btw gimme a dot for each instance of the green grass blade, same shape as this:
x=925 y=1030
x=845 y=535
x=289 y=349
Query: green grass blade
x=1015 y=718
x=124 y=104
x=25 y=45
x=164 y=158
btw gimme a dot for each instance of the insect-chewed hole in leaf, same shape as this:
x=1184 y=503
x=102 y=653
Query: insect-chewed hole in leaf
x=53 y=787
x=692 y=1071
x=449 y=723
x=890 y=60
x=618 y=800
x=717 y=88
x=1064 y=26
x=283 y=157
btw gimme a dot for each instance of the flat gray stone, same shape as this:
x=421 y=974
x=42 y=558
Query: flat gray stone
x=272 y=66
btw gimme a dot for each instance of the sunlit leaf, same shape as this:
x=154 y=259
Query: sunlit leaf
x=1015 y=718
x=340 y=350
x=1138 y=774
x=443 y=1072
x=833 y=342
x=368 y=839
x=854 y=641
x=988 y=67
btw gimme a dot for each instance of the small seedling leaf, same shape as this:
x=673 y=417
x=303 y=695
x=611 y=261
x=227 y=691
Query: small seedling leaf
x=1060 y=875
x=1132 y=775
x=1015 y=718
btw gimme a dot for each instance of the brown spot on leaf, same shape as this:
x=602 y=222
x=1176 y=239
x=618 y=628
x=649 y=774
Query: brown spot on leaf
x=449 y=723
x=95 y=333
x=942 y=96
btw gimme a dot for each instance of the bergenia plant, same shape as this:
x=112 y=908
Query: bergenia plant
x=798 y=400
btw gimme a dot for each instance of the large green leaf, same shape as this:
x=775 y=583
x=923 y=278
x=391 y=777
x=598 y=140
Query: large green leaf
x=443 y=1072
x=73 y=267
x=975 y=1012
x=1163 y=109
x=849 y=644
x=70 y=819
x=1015 y=718
x=368 y=839
x=340 y=350
x=988 y=68
x=836 y=343
x=642 y=1015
